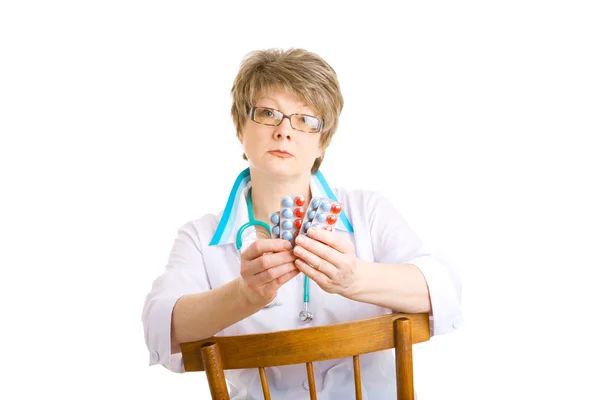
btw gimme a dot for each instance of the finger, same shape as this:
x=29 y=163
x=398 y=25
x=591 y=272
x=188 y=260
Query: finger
x=320 y=278
x=271 y=274
x=319 y=249
x=267 y=261
x=261 y=246
x=334 y=241
x=286 y=277
x=283 y=279
x=316 y=262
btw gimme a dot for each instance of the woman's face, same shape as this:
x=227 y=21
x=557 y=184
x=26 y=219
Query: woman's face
x=280 y=150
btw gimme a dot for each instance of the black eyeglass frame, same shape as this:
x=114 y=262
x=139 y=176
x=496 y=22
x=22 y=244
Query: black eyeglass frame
x=253 y=109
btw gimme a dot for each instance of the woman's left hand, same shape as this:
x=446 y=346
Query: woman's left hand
x=329 y=260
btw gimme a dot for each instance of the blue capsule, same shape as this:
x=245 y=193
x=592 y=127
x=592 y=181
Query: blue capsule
x=315 y=203
x=326 y=206
x=276 y=230
x=287 y=235
x=307 y=225
x=287 y=225
x=287 y=201
x=321 y=217
x=275 y=218
x=287 y=213
x=311 y=214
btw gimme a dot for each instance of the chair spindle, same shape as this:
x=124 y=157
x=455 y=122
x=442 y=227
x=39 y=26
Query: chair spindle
x=214 y=371
x=404 y=361
x=311 y=381
x=357 y=381
x=264 y=383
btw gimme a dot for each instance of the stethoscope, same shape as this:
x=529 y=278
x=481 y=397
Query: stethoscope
x=305 y=315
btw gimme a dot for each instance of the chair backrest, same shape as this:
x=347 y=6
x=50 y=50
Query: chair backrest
x=308 y=345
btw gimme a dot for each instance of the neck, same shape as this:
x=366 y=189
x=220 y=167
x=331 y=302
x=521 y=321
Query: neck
x=267 y=191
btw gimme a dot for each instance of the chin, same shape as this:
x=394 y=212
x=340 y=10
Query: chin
x=279 y=168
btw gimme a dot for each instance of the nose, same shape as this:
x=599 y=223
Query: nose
x=284 y=130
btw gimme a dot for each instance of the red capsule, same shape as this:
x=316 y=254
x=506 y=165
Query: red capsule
x=300 y=201
x=299 y=212
x=331 y=219
x=336 y=208
x=298 y=224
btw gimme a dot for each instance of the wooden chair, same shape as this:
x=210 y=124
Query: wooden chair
x=309 y=345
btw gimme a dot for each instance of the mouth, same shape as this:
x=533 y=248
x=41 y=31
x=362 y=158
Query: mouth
x=280 y=153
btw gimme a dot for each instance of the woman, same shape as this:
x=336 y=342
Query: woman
x=286 y=106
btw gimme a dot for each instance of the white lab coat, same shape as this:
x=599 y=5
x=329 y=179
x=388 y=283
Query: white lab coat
x=380 y=234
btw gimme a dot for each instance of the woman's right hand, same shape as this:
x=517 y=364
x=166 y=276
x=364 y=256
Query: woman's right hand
x=265 y=266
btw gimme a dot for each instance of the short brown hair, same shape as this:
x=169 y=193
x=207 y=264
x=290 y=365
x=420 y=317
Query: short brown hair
x=296 y=71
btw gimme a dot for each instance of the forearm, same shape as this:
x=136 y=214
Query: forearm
x=202 y=315
x=400 y=287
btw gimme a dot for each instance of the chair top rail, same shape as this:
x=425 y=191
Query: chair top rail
x=304 y=345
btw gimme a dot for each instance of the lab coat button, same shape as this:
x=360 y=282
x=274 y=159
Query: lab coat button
x=305 y=384
x=154 y=356
x=456 y=323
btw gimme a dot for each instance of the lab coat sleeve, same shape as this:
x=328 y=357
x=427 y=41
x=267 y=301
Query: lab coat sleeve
x=394 y=242
x=184 y=273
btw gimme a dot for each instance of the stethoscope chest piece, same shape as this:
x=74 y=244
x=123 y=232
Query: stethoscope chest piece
x=305 y=315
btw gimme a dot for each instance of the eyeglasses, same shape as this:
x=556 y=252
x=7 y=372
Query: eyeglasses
x=272 y=117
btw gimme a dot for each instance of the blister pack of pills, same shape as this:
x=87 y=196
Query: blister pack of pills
x=321 y=212
x=274 y=225
x=311 y=211
x=291 y=217
x=326 y=214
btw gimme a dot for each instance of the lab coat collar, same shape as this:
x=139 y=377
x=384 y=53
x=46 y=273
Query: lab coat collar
x=235 y=213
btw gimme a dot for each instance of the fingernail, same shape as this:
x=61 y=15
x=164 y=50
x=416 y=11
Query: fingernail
x=287 y=245
x=300 y=239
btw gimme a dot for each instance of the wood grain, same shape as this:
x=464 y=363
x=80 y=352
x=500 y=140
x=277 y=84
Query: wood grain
x=357 y=381
x=404 y=361
x=264 y=383
x=311 y=381
x=306 y=345
x=214 y=371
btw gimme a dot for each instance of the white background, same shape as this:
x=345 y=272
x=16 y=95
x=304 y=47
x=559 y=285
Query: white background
x=478 y=120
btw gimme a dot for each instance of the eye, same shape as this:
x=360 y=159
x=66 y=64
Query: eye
x=267 y=113
x=307 y=121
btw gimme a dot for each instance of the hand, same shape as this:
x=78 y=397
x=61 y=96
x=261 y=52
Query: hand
x=265 y=266
x=329 y=260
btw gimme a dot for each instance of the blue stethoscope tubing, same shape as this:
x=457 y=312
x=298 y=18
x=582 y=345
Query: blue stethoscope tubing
x=305 y=315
